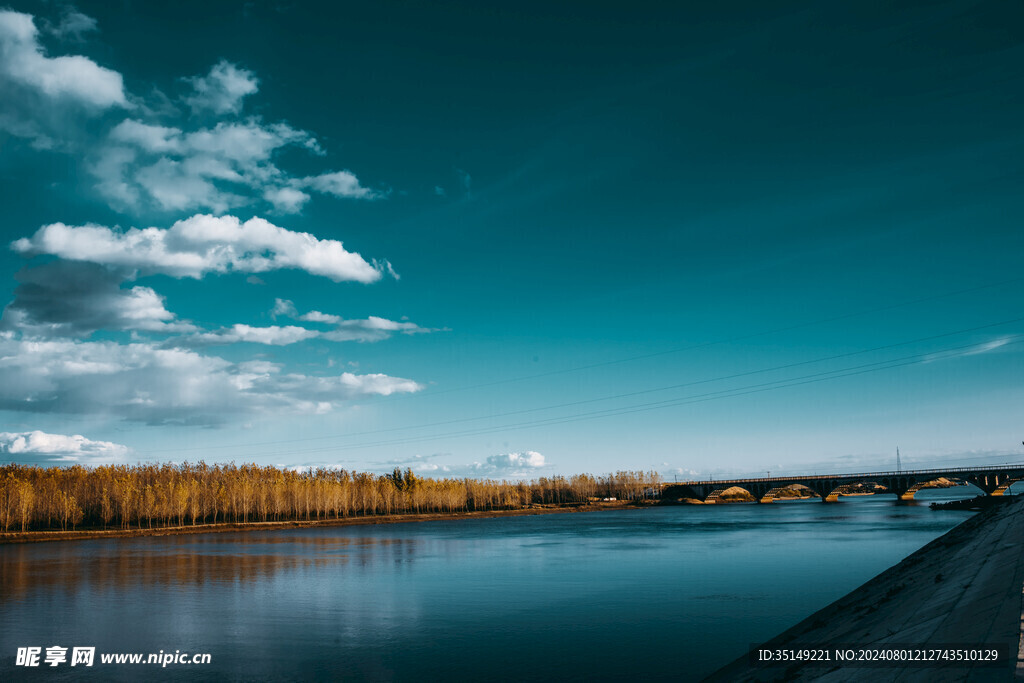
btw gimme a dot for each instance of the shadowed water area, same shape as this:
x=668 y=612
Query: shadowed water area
x=674 y=591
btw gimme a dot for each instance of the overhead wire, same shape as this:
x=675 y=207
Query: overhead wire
x=612 y=396
x=657 y=405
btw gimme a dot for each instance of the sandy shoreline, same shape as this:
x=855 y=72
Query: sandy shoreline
x=962 y=588
x=44 y=536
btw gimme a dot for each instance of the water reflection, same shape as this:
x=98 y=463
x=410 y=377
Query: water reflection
x=186 y=561
x=570 y=596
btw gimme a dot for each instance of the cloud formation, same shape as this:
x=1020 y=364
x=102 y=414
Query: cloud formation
x=199 y=245
x=504 y=466
x=194 y=152
x=217 y=168
x=74 y=299
x=338 y=184
x=142 y=162
x=529 y=460
x=145 y=383
x=222 y=90
x=370 y=329
x=40 y=447
x=273 y=335
x=70 y=78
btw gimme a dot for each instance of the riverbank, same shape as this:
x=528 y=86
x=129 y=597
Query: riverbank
x=43 y=536
x=962 y=588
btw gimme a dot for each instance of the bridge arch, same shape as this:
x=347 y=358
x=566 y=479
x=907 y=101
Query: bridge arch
x=716 y=496
x=772 y=494
x=841 y=487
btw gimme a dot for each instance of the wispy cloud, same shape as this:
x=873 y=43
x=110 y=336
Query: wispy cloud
x=370 y=329
x=466 y=181
x=73 y=25
x=975 y=350
x=273 y=335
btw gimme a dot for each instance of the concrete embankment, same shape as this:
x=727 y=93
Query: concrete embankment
x=964 y=587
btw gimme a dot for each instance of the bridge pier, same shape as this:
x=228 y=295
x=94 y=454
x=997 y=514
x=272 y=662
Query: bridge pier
x=993 y=484
x=994 y=481
x=908 y=495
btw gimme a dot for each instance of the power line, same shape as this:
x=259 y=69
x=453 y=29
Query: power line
x=657 y=405
x=609 y=397
x=702 y=345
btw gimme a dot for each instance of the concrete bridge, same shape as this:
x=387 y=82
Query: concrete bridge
x=992 y=480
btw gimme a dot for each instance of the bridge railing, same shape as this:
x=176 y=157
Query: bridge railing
x=855 y=475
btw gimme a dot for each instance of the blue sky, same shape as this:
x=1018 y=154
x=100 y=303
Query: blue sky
x=512 y=241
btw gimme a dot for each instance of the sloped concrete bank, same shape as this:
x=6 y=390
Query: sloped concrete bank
x=964 y=587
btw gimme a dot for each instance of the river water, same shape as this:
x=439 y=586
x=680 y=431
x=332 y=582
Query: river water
x=670 y=591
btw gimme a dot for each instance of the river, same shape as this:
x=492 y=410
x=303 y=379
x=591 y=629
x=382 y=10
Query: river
x=668 y=591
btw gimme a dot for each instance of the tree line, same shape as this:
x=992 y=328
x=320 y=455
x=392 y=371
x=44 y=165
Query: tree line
x=148 y=496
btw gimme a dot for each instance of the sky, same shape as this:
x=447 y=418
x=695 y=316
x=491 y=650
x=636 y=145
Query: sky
x=512 y=241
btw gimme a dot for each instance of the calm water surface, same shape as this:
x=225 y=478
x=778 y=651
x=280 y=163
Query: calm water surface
x=676 y=591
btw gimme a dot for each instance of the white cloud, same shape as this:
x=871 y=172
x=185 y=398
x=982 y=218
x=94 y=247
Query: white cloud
x=112 y=169
x=146 y=383
x=142 y=163
x=176 y=187
x=273 y=335
x=318 y=317
x=339 y=184
x=375 y=383
x=37 y=446
x=216 y=168
x=286 y=199
x=198 y=245
x=249 y=142
x=223 y=89
x=69 y=78
x=370 y=329
x=505 y=466
x=283 y=307
x=146 y=137
x=530 y=460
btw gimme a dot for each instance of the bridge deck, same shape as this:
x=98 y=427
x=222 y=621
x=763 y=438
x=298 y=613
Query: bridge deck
x=996 y=469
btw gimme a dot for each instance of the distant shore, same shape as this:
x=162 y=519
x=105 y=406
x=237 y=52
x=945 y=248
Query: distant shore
x=12 y=537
